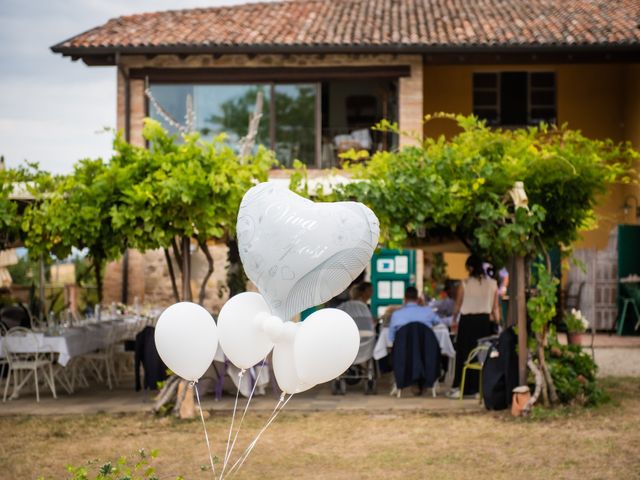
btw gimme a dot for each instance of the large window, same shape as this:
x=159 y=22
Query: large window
x=515 y=98
x=288 y=124
x=314 y=122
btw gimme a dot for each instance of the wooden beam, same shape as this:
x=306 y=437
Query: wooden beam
x=267 y=74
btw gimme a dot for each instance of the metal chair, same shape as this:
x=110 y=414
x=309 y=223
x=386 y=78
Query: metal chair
x=623 y=315
x=22 y=350
x=630 y=295
x=475 y=361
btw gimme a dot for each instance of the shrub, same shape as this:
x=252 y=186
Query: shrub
x=574 y=375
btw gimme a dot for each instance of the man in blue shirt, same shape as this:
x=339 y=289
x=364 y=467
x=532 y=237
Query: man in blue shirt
x=411 y=312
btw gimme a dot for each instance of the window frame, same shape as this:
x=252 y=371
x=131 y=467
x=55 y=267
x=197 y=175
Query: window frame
x=271 y=76
x=530 y=106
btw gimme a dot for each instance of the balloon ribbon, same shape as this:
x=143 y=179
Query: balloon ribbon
x=204 y=427
x=277 y=409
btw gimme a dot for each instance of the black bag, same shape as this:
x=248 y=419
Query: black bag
x=500 y=372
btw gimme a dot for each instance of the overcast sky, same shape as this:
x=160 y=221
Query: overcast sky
x=52 y=109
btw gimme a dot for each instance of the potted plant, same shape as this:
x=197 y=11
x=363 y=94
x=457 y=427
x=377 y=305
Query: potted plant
x=576 y=326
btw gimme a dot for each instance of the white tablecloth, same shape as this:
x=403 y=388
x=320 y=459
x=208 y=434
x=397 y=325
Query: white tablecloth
x=441 y=332
x=72 y=342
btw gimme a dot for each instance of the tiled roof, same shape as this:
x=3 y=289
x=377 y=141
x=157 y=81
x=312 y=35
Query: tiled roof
x=375 y=25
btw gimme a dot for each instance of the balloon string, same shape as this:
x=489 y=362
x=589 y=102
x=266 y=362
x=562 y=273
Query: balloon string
x=266 y=423
x=251 y=446
x=246 y=407
x=204 y=427
x=233 y=417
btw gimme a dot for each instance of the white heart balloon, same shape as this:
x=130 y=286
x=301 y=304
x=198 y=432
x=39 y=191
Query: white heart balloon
x=325 y=345
x=241 y=326
x=284 y=367
x=299 y=253
x=186 y=337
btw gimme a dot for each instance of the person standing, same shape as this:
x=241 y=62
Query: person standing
x=477 y=305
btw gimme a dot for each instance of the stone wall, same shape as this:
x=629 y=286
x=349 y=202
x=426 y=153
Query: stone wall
x=149 y=279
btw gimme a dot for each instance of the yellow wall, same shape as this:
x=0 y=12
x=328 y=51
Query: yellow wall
x=603 y=101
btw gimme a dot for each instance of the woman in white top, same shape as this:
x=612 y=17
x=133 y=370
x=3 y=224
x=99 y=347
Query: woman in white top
x=477 y=304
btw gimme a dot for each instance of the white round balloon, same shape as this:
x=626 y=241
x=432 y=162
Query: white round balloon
x=300 y=253
x=186 y=337
x=243 y=338
x=325 y=346
x=284 y=367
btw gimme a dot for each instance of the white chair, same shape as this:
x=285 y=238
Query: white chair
x=4 y=363
x=23 y=354
x=103 y=360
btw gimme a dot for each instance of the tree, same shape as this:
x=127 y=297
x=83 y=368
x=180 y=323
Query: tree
x=186 y=190
x=77 y=213
x=459 y=187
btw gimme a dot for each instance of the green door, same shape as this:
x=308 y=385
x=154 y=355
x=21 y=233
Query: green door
x=391 y=272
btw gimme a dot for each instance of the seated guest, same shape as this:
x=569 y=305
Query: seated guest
x=445 y=306
x=410 y=312
x=357 y=306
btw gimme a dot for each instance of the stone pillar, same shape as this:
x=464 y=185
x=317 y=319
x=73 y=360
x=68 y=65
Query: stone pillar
x=138 y=112
x=410 y=100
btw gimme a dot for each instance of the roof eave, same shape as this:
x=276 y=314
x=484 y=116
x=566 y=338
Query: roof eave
x=108 y=53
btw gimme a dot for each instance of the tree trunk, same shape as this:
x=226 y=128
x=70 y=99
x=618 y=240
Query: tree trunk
x=172 y=275
x=545 y=383
x=176 y=253
x=97 y=270
x=236 y=278
x=185 y=405
x=550 y=387
x=186 y=269
x=41 y=290
x=203 y=285
x=539 y=385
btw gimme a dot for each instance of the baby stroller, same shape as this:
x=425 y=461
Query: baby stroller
x=364 y=366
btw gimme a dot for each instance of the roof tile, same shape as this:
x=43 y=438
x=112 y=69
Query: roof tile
x=383 y=23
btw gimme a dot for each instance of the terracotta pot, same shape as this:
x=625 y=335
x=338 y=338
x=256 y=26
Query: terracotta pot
x=574 y=338
x=520 y=398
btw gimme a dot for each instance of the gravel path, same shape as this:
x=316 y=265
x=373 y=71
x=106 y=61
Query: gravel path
x=623 y=362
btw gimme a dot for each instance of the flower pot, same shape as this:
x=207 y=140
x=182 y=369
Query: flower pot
x=574 y=338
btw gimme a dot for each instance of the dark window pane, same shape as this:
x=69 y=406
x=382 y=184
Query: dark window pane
x=485 y=80
x=543 y=79
x=488 y=114
x=543 y=97
x=295 y=123
x=513 y=98
x=485 y=97
x=547 y=115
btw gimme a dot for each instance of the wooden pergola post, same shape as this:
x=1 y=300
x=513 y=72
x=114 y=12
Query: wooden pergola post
x=521 y=315
x=517 y=312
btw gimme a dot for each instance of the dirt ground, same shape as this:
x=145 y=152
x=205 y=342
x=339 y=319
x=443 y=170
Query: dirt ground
x=565 y=443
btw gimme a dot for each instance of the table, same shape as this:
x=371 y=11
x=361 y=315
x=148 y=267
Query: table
x=442 y=335
x=74 y=341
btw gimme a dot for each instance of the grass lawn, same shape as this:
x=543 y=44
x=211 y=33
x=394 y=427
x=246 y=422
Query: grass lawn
x=564 y=443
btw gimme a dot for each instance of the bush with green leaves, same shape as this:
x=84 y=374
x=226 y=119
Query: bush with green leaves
x=182 y=187
x=458 y=187
x=574 y=375
x=137 y=467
